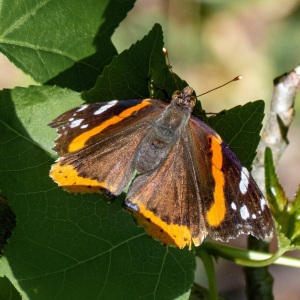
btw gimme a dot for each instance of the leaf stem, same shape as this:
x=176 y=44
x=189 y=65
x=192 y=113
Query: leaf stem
x=250 y=258
x=210 y=272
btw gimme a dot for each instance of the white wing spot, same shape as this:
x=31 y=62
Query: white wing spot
x=262 y=203
x=233 y=206
x=81 y=108
x=105 y=107
x=244 y=182
x=253 y=216
x=76 y=123
x=71 y=119
x=84 y=126
x=244 y=212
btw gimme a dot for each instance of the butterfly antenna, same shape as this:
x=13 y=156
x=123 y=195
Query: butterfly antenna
x=234 y=79
x=165 y=51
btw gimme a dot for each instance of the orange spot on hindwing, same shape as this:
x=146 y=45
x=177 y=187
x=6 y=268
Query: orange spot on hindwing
x=216 y=214
x=169 y=234
x=80 y=141
x=68 y=178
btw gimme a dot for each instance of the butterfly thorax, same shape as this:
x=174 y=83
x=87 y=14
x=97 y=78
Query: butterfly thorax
x=165 y=132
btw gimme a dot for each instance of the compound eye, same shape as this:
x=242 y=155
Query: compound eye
x=176 y=95
x=192 y=101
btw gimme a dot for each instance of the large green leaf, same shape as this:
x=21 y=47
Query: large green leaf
x=7 y=290
x=137 y=73
x=73 y=246
x=7 y=222
x=65 y=41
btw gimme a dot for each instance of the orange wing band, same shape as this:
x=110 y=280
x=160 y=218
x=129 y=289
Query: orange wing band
x=67 y=177
x=80 y=141
x=216 y=213
x=169 y=234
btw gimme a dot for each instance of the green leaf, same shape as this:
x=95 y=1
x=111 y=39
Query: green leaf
x=7 y=290
x=69 y=246
x=64 y=42
x=240 y=128
x=34 y=109
x=285 y=213
x=7 y=222
x=137 y=73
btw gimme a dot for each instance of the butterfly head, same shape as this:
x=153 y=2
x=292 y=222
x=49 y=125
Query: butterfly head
x=185 y=98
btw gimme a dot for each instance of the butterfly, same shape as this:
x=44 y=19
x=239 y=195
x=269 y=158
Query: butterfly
x=185 y=182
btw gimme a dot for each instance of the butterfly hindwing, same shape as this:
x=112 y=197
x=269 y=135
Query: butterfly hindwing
x=167 y=202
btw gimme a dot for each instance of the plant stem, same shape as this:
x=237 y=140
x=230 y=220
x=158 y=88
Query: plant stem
x=250 y=258
x=210 y=272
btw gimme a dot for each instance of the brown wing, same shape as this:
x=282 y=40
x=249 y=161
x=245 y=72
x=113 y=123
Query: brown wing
x=96 y=143
x=167 y=202
x=237 y=205
x=200 y=189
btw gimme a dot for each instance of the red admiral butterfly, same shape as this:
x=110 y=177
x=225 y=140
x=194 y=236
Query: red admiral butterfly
x=189 y=183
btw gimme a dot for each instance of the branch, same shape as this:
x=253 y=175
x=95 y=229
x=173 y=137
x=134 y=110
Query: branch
x=274 y=134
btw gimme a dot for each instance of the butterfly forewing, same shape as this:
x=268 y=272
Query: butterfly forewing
x=238 y=205
x=87 y=124
x=247 y=210
x=96 y=154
